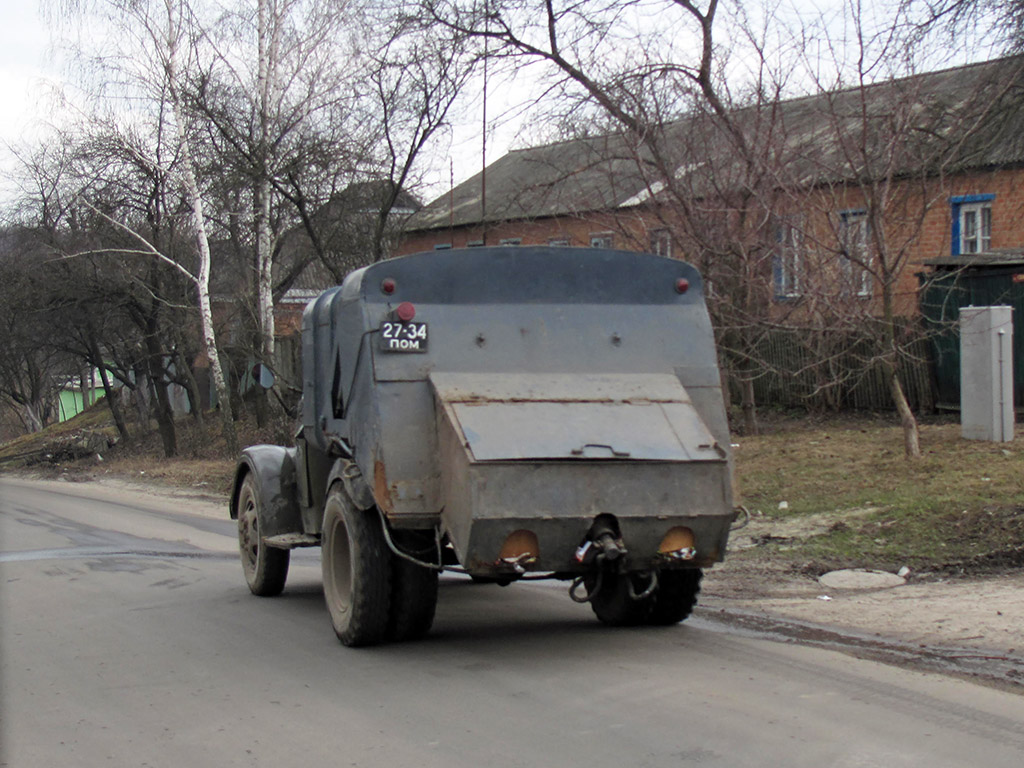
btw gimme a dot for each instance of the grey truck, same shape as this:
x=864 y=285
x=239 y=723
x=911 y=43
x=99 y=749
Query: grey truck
x=511 y=413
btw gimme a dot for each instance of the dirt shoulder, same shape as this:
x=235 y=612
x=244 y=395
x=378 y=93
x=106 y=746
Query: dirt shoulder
x=926 y=610
x=982 y=614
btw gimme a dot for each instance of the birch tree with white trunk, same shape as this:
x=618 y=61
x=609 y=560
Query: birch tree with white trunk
x=157 y=41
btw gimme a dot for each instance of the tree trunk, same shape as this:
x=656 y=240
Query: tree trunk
x=267 y=86
x=164 y=411
x=264 y=276
x=141 y=402
x=203 y=242
x=83 y=386
x=748 y=401
x=113 y=398
x=195 y=400
x=911 y=433
x=30 y=418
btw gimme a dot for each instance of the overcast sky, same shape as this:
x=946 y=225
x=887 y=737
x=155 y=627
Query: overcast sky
x=28 y=73
x=31 y=74
x=23 y=60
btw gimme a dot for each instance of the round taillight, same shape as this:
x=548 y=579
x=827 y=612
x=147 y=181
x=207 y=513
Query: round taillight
x=406 y=311
x=387 y=286
x=682 y=285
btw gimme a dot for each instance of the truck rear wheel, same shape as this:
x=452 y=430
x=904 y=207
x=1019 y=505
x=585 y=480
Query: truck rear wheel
x=612 y=603
x=356 y=566
x=413 y=600
x=675 y=597
x=266 y=568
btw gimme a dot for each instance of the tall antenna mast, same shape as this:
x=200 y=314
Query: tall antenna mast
x=483 y=145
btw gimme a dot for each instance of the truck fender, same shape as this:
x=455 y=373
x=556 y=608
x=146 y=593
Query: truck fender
x=273 y=466
x=348 y=473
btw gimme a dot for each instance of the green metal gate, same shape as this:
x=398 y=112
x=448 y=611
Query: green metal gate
x=942 y=296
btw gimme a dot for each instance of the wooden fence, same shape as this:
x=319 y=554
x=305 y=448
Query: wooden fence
x=845 y=375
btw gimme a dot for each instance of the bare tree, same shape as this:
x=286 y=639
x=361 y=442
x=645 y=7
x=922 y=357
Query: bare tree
x=159 y=40
x=705 y=164
x=30 y=372
x=276 y=87
x=730 y=170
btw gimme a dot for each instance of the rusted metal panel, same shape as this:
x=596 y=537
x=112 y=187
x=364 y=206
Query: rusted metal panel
x=583 y=387
x=576 y=416
x=508 y=466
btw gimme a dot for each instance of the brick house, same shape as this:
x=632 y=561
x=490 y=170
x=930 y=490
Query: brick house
x=958 y=191
x=822 y=228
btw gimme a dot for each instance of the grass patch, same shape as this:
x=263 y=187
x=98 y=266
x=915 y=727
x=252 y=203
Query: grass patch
x=959 y=507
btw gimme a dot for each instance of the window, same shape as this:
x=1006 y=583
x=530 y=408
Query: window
x=855 y=258
x=661 y=242
x=512 y=241
x=972 y=223
x=442 y=246
x=474 y=244
x=601 y=240
x=787 y=265
x=559 y=241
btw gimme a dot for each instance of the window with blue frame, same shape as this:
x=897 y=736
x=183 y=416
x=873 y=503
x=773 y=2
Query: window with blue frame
x=972 y=224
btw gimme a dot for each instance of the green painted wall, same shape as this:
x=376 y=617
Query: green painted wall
x=71 y=402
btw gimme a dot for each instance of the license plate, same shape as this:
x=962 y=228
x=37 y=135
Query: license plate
x=403 y=337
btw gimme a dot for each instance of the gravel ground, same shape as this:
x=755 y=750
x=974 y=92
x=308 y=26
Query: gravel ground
x=984 y=614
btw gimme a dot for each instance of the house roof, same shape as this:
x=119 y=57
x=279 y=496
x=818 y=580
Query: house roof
x=998 y=257
x=358 y=202
x=954 y=119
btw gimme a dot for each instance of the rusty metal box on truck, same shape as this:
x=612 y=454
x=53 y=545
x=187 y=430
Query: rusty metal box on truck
x=512 y=413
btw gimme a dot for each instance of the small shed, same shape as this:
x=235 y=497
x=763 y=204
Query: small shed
x=994 y=278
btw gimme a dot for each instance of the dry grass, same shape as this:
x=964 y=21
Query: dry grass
x=958 y=508
x=202 y=461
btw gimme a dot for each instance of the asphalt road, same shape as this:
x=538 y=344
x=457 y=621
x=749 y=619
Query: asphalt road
x=129 y=639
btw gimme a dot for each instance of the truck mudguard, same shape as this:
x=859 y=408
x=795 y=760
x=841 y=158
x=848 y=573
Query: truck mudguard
x=274 y=469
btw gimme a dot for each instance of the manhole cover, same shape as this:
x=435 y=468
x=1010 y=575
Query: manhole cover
x=859 y=578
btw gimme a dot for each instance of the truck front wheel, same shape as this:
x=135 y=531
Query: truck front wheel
x=266 y=568
x=356 y=571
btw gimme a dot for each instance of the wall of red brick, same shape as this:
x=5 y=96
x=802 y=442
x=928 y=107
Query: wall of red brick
x=919 y=229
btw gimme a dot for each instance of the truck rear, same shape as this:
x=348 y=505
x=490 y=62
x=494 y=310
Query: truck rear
x=513 y=413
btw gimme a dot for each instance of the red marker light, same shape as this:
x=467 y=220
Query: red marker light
x=387 y=286
x=406 y=311
x=682 y=285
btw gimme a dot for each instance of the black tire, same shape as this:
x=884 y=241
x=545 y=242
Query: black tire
x=613 y=604
x=413 y=600
x=265 y=568
x=356 y=567
x=675 y=597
